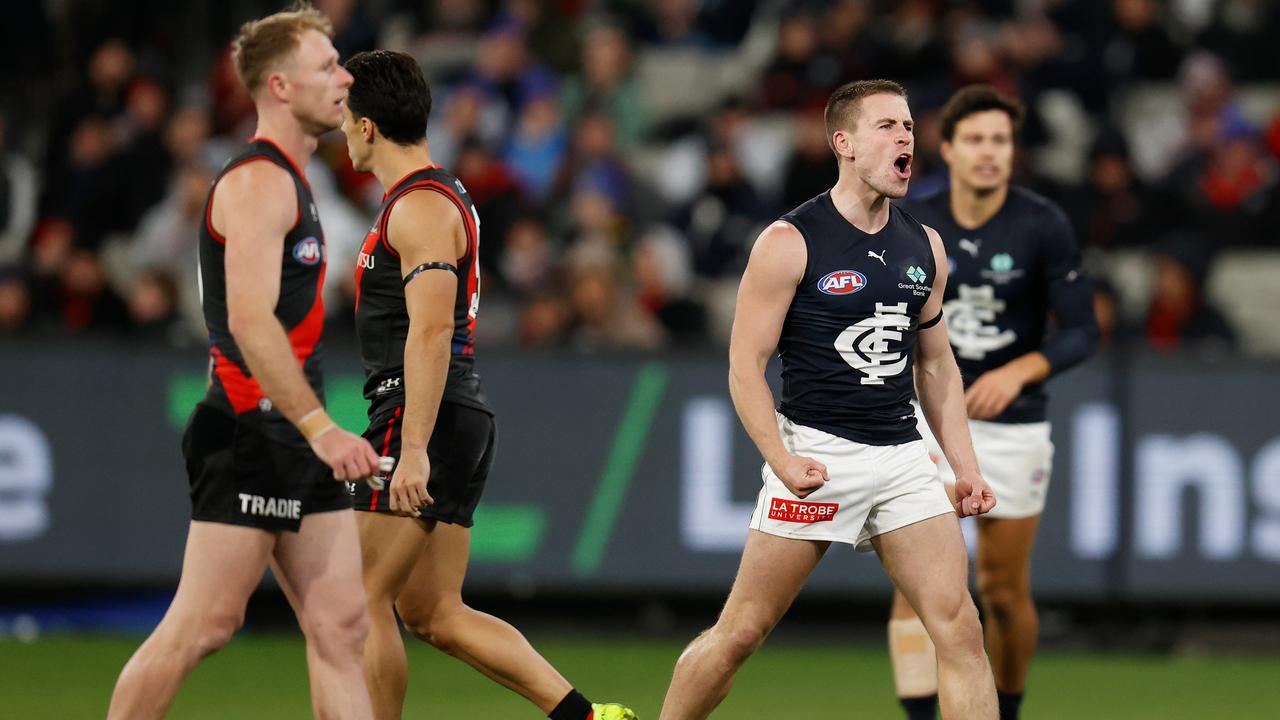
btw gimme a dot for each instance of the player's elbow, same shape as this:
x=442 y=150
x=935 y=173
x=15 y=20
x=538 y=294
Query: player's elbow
x=431 y=328
x=241 y=321
x=742 y=368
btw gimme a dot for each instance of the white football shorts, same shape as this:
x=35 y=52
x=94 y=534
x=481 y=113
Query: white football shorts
x=1016 y=460
x=872 y=489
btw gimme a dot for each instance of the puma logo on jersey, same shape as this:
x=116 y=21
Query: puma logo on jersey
x=970 y=246
x=842 y=282
x=879 y=257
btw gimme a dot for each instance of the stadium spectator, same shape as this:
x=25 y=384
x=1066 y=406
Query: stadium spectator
x=153 y=309
x=1140 y=46
x=606 y=82
x=810 y=169
x=538 y=146
x=80 y=298
x=799 y=75
x=663 y=272
x=528 y=258
x=353 y=31
x=15 y=302
x=1180 y=317
x=846 y=37
x=605 y=314
x=1112 y=209
x=724 y=219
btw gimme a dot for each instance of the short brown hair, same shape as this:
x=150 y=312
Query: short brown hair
x=973 y=99
x=846 y=101
x=261 y=43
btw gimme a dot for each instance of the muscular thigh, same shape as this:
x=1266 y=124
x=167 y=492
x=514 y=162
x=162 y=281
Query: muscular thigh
x=390 y=546
x=438 y=571
x=319 y=566
x=927 y=562
x=221 y=567
x=772 y=571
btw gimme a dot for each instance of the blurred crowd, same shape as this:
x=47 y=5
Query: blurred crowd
x=624 y=154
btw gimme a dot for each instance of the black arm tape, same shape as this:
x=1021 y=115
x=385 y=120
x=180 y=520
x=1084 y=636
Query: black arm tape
x=429 y=266
x=936 y=319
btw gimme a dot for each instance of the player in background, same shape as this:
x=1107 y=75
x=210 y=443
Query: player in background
x=417 y=297
x=848 y=289
x=1014 y=268
x=263 y=457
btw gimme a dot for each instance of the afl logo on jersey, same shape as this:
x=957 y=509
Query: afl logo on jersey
x=842 y=282
x=307 y=251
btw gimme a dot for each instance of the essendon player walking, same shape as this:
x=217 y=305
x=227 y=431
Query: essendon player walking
x=262 y=455
x=848 y=289
x=417 y=295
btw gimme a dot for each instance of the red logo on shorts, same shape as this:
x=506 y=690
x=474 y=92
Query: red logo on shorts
x=799 y=511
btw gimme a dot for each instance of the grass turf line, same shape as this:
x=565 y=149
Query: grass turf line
x=263 y=676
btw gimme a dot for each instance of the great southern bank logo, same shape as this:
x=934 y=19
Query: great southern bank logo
x=842 y=282
x=307 y=251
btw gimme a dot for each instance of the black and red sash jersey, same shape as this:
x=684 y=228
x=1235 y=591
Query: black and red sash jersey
x=382 y=318
x=300 y=308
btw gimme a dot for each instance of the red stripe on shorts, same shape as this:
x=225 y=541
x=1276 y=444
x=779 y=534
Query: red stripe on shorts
x=386 y=448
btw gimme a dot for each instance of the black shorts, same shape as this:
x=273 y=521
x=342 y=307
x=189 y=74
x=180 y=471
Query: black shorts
x=461 y=454
x=241 y=477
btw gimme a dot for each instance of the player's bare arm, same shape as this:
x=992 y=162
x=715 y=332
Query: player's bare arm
x=265 y=203
x=426 y=229
x=768 y=285
x=942 y=395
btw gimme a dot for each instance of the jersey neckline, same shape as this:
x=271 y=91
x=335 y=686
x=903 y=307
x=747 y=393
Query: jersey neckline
x=396 y=185
x=831 y=205
x=285 y=155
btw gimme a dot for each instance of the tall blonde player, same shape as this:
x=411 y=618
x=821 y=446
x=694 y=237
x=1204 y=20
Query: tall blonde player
x=263 y=458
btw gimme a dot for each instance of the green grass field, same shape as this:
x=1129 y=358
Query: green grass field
x=262 y=676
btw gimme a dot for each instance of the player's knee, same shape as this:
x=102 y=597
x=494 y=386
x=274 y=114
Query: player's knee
x=337 y=630
x=956 y=629
x=740 y=641
x=214 y=630
x=434 y=626
x=1002 y=594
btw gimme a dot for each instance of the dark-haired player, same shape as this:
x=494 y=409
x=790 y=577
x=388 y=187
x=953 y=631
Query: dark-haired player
x=261 y=453
x=1014 y=265
x=848 y=289
x=417 y=296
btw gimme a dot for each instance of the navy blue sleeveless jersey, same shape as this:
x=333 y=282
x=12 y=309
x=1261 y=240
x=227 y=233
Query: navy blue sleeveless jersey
x=300 y=307
x=1005 y=280
x=382 y=317
x=848 y=339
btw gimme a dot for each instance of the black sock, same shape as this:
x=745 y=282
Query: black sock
x=1009 y=703
x=920 y=708
x=573 y=707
